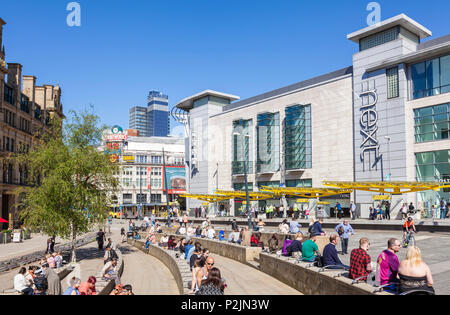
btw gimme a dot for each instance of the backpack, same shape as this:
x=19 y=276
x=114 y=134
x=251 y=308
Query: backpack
x=41 y=282
x=311 y=229
x=341 y=230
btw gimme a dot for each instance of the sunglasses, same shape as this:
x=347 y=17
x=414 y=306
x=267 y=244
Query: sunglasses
x=210 y=264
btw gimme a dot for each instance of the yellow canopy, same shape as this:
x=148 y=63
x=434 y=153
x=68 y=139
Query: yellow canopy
x=381 y=197
x=302 y=200
x=395 y=188
x=304 y=192
x=323 y=203
x=253 y=196
x=208 y=198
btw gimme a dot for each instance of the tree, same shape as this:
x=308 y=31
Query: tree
x=69 y=179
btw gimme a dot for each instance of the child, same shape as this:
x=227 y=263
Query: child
x=50 y=260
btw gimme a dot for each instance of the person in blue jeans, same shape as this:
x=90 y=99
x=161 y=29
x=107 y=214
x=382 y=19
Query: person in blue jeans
x=344 y=229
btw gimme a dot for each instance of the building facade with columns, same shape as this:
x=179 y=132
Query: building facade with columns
x=386 y=117
x=25 y=109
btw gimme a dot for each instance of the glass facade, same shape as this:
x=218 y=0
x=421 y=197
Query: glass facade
x=432 y=123
x=433 y=167
x=268 y=143
x=241 y=186
x=431 y=77
x=392 y=82
x=306 y=183
x=297 y=137
x=379 y=38
x=242 y=146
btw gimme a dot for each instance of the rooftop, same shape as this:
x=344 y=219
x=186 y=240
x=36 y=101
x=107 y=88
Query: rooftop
x=399 y=20
x=291 y=88
x=188 y=103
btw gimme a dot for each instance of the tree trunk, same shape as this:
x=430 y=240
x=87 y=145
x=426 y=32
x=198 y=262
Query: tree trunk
x=74 y=241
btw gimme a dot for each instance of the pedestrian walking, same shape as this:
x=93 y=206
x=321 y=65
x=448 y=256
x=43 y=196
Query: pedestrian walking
x=443 y=206
x=343 y=230
x=100 y=239
x=353 y=210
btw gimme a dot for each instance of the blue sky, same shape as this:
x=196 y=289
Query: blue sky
x=124 y=49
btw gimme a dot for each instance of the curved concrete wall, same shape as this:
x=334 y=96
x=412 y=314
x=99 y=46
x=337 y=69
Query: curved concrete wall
x=107 y=286
x=179 y=271
x=310 y=281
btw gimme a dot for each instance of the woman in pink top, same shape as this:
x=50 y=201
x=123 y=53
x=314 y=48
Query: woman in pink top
x=88 y=287
x=51 y=261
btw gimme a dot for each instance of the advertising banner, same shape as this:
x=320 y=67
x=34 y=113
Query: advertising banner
x=176 y=179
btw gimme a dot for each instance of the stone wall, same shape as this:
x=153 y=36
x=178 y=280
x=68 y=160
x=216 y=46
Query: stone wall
x=309 y=280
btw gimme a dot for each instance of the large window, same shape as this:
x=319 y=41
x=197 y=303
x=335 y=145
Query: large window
x=433 y=167
x=273 y=184
x=304 y=183
x=241 y=186
x=432 y=123
x=392 y=82
x=156 y=159
x=297 y=137
x=156 y=171
x=431 y=77
x=141 y=159
x=268 y=143
x=242 y=146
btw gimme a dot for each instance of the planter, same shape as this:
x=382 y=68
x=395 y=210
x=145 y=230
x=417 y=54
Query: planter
x=6 y=237
x=1 y=238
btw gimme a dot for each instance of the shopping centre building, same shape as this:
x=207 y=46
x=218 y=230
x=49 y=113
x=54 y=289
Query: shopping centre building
x=384 y=118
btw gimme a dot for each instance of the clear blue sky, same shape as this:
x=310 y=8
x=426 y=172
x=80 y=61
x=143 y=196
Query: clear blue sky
x=123 y=49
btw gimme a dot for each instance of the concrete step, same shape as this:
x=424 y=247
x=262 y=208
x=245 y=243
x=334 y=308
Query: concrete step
x=253 y=264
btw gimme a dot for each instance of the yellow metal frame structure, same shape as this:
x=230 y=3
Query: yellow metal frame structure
x=381 y=197
x=252 y=196
x=208 y=198
x=393 y=188
x=309 y=193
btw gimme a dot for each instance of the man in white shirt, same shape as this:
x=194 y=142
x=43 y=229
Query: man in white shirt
x=109 y=271
x=20 y=283
x=211 y=233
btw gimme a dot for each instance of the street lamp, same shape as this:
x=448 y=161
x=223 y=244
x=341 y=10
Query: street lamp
x=388 y=138
x=246 y=183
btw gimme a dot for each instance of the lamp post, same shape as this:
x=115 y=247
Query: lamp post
x=388 y=138
x=246 y=183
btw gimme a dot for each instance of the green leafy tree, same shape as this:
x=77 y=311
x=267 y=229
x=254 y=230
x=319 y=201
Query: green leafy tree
x=70 y=180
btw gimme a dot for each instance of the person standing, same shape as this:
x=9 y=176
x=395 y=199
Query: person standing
x=344 y=229
x=54 y=283
x=443 y=206
x=295 y=211
x=100 y=239
x=404 y=211
x=353 y=210
x=387 y=266
x=360 y=261
x=388 y=210
x=339 y=210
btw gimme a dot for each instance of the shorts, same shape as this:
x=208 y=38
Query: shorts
x=407 y=229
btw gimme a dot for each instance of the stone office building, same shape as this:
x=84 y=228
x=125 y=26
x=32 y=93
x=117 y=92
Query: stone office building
x=384 y=118
x=25 y=108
